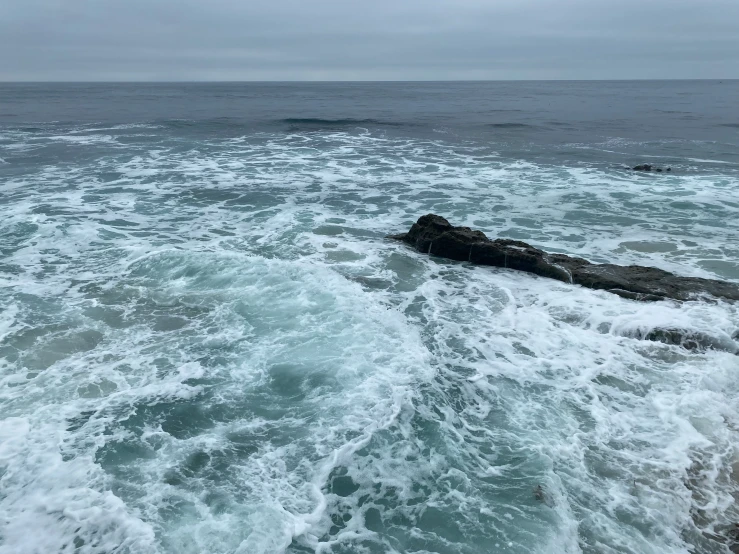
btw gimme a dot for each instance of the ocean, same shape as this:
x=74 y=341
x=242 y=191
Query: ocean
x=208 y=344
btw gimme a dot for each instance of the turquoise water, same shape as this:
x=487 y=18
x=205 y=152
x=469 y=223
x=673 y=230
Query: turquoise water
x=208 y=345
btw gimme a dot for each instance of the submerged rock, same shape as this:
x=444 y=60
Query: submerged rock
x=733 y=538
x=543 y=496
x=689 y=339
x=434 y=235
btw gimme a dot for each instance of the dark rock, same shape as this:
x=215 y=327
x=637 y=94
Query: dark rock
x=676 y=337
x=542 y=496
x=434 y=235
x=690 y=340
x=649 y=167
x=733 y=538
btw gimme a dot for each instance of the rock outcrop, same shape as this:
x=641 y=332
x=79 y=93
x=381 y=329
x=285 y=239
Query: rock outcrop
x=649 y=167
x=434 y=235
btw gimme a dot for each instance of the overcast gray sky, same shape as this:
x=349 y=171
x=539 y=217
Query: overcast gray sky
x=104 y=40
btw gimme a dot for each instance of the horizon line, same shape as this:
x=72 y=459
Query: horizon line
x=365 y=81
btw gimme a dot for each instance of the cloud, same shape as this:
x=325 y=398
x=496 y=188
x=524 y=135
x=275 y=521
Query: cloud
x=383 y=39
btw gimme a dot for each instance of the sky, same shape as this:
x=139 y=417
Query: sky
x=291 y=40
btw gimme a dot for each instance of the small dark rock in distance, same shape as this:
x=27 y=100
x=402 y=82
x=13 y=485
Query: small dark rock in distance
x=649 y=167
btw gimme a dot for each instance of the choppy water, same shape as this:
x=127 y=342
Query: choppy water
x=207 y=344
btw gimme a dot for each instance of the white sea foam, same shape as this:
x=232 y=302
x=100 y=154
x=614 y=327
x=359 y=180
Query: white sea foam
x=699 y=160
x=83 y=140
x=216 y=350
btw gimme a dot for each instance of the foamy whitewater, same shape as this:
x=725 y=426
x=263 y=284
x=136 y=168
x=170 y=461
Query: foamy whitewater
x=207 y=345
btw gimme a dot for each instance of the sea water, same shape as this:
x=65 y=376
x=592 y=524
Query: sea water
x=207 y=344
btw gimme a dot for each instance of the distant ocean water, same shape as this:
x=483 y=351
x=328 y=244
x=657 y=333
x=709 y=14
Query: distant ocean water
x=208 y=346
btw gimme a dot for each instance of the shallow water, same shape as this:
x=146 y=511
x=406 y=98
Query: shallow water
x=207 y=344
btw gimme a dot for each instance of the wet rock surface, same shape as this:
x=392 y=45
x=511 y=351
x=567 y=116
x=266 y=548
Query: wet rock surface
x=434 y=235
x=649 y=167
x=690 y=339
